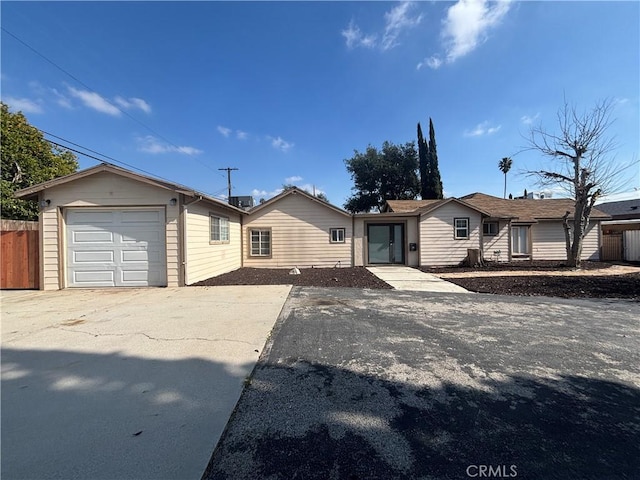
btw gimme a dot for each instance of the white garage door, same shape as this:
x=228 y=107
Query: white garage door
x=116 y=247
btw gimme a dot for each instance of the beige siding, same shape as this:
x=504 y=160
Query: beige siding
x=413 y=236
x=360 y=251
x=438 y=246
x=299 y=234
x=102 y=190
x=359 y=258
x=548 y=241
x=492 y=243
x=50 y=255
x=206 y=259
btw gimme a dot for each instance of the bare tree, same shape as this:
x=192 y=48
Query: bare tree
x=581 y=163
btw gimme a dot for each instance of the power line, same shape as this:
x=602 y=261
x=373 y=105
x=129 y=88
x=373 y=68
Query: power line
x=120 y=162
x=93 y=91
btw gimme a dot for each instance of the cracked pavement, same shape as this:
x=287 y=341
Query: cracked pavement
x=125 y=383
x=356 y=384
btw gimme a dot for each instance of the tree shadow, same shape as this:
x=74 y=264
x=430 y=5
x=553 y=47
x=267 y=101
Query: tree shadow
x=68 y=414
x=314 y=421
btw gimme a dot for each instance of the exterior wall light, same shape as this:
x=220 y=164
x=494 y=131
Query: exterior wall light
x=173 y=202
x=45 y=203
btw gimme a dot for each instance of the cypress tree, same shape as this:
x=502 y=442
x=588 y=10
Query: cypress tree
x=423 y=153
x=434 y=189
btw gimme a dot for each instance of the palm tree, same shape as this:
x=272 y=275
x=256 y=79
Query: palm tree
x=505 y=165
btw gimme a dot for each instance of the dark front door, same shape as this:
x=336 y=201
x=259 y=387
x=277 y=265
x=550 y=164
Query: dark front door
x=386 y=243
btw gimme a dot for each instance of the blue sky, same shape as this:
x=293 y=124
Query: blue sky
x=285 y=91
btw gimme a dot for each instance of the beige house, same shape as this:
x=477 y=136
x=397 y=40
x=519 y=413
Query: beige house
x=109 y=227
x=296 y=229
x=503 y=230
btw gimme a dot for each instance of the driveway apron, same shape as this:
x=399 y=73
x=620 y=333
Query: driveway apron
x=125 y=383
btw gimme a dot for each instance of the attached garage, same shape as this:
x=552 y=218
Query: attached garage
x=109 y=227
x=116 y=247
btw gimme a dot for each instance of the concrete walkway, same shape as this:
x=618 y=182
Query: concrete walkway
x=407 y=278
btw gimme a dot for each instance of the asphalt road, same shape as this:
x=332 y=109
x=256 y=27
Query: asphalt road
x=360 y=384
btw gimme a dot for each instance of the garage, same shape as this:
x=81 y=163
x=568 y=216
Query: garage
x=106 y=227
x=115 y=247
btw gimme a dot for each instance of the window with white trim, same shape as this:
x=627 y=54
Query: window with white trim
x=260 y=242
x=461 y=228
x=520 y=240
x=336 y=235
x=490 y=228
x=219 y=228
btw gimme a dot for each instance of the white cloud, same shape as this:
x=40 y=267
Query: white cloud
x=398 y=20
x=94 y=101
x=133 y=102
x=355 y=38
x=307 y=187
x=224 y=131
x=61 y=100
x=467 y=24
x=527 y=120
x=264 y=194
x=280 y=144
x=482 y=129
x=240 y=135
x=310 y=188
x=23 y=105
x=150 y=144
x=433 y=62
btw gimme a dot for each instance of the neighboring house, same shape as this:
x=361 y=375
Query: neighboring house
x=297 y=229
x=625 y=215
x=109 y=227
x=621 y=234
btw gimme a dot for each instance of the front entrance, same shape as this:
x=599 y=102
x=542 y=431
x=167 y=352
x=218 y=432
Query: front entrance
x=385 y=243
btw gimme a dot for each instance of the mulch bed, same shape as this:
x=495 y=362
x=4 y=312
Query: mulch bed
x=605 y=286
x=536 y=266
x=350 y=277
x=608 y=286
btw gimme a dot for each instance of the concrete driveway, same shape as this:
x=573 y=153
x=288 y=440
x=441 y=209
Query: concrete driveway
x=359 y=384
x=116 y=384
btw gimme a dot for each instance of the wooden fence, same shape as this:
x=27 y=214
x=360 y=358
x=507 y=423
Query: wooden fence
x=19 y=255
x=612 y=247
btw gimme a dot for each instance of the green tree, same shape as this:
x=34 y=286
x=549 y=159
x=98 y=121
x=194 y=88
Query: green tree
x=27 y=159
x=434 y=186
x=378 y=176
x=430 y=180
x=505 y=165
x=423 y=160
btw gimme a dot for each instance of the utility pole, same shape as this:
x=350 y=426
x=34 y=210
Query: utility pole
x=228 y=169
